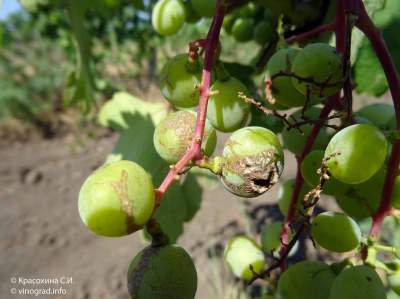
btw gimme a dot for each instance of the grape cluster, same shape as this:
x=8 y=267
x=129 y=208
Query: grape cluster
x=347 y=160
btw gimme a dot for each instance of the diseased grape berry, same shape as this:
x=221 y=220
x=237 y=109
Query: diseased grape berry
x=165 y=272
x=117 y=199
x=309 y=167
x=242 y=29
x=321 y=64
x=179 y=81
x=294 y=140
x=282 y=88
x=356 y=153
x=263 y=32
x=242 y=252
x=227 y=112
x=306 y=280
x=252 y=161
x=379 y=114
x=285 y=194
x=335 y=232
x=173 y=136
x=168 y=16
x=357 y=282
x=205 y=8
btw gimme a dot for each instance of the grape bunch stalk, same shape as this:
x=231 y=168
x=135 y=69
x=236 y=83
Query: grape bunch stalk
x=348 y=155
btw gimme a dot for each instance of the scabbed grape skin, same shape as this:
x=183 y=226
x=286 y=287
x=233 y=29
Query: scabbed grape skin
x=173 y=136
x=165 y=272
x=320 y=62
x=117 y=199
x=168 y=16
x=356 y=153
x=179 y=81
x=226 y=111
x=306 y=280
x=357 y=282
x=336 y=232
x=252 y=161
x=282 y=87
x=240 y=253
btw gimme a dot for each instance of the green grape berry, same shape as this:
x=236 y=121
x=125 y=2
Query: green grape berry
x=270 y=237
x=242 y=29
x=357 y=282
x=306 y=280
x=263 y=32
x=335 y=232
x=285 y=194
x=168 y=16
x=252 y=161
x=179 y=81
x=309 y=167
x=165 y=272
x=117 y=199
x=320 y=67
x=173 y=136
x=227 y=112
x=356 y=153
x=282 y=87
x=394 y=282
x=379 y=114
x=205 y=8
x=294 y=140
x=241 y=253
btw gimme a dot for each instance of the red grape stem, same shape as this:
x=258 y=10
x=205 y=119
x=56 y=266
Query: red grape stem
x=312 y=33
x=365 y=24
x=194 y=152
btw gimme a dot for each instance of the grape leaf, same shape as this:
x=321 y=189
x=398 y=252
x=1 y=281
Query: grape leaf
x=368 y=73
x=135 y=120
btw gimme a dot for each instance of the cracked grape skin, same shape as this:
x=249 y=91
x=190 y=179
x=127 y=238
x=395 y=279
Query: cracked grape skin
x=162 y=273
x=179 y=81
x=336 y=232
x=117 y=199
x=356 y=153
x=252 y=161
x=168 y=16
x=173 y=136
x=240 y=253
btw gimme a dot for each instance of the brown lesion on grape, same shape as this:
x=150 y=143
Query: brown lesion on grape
x=121 y=188
x=259 y=172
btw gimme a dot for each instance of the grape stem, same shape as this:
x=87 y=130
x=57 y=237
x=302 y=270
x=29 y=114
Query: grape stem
x=312 y=33
x=194 y=153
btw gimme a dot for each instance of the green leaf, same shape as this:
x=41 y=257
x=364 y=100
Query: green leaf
x=136 y=120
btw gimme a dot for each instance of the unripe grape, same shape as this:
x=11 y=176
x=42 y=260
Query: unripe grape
x=285 y=194
x=242 y=252
x=323 y=65
x=356 y=153
x=242 y=29
x=165 y=272
x=282 y=87
x=394 y=282
x=168 y=16
x=228 y=23
x=271 y=238
x=309 y=167
x=117 y=199
x=336 y=232
x=379 y=114
x=357 y=282
x=263 y=32
x=306 y=280
x=392 y=123
x=173 y=136
x=252 y=161
x=205 y=8
x=179 y=81
x=295 y=141
x=227 y=112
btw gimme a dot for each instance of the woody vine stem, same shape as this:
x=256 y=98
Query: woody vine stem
x=349 y=13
